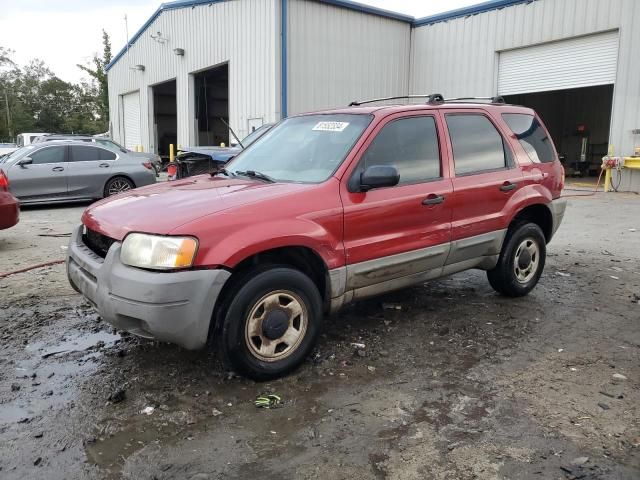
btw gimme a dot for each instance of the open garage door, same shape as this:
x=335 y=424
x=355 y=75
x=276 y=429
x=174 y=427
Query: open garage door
x=575 y=63
x=131 y=107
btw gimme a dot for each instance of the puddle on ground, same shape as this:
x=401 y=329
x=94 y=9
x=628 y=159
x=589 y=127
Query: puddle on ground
x=45 y=370
x=74 y=342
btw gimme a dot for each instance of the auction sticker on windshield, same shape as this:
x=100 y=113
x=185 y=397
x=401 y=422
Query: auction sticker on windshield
x=331 y=126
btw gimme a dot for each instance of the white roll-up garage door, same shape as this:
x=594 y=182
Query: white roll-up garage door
x=131 y=107
x=579 y=62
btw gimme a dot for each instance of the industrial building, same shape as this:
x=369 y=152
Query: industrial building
x=197 y=65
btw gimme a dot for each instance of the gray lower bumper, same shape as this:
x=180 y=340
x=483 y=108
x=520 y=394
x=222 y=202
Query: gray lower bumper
x=558 y=206
x=174 y=307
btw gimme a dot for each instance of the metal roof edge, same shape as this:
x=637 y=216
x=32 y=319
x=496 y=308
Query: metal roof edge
x=467 y=11
x=359 y=7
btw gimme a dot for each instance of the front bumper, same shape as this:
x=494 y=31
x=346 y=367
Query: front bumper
x=174 y=307
x=558 y=207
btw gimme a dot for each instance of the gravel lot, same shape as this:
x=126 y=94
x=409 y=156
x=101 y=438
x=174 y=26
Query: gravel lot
x=453 y=382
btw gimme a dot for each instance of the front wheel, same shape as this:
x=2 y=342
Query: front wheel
x=521 y=261
x=271 y=323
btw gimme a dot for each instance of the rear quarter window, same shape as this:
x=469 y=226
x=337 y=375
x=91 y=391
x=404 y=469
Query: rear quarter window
x=531 y=135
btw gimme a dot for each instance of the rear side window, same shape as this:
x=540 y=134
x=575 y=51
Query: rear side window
x=84 y=154
x=531 y=135
x=48 y=155
x=477 y=145
x=410 y=145
x=106 y=154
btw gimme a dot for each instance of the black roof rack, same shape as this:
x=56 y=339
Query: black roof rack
x=496 y=99
x=432 y=98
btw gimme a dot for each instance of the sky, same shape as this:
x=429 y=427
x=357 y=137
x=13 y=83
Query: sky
x=64 y=33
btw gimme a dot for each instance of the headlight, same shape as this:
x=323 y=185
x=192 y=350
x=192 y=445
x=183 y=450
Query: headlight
x=158 y=253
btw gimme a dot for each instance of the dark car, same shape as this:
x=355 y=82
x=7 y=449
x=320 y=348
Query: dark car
x=198 y=160
x=9 y=206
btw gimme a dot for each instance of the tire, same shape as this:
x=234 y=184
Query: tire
x=264 y=303
x=117 y=185
x=512 y=278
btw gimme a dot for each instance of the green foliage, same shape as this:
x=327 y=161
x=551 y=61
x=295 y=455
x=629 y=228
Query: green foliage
x=33 y=99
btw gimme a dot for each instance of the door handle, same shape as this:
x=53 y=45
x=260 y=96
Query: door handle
x=433 y=199
x=104 y=165
x=58 y=169
x=508 y=186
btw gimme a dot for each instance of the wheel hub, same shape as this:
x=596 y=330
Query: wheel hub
x=525 y=259
x=275 y=323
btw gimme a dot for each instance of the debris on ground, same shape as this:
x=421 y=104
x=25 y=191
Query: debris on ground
x=563 y=274
x=215 y=412
x=147 y=410
x=391 y=306
x=268 y=401
x=619 y=377
x=117 y=396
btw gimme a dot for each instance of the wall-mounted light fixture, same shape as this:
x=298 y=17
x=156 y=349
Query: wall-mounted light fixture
x=140 y=68
x=179 y=51
x=158 y=37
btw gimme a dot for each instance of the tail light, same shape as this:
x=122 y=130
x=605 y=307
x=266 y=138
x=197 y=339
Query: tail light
x=562 y=178
x=147 y=165
x=4 y=182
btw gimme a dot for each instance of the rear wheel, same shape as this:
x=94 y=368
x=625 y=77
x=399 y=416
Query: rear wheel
x=521 y=261
x=270 y=323
x=117 y=185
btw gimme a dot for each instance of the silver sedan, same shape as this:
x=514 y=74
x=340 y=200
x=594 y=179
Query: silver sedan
x=67 y=171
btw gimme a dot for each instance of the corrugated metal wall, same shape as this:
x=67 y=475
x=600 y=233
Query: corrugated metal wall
x=460 y=57
x=336 y=55
x=244 y=33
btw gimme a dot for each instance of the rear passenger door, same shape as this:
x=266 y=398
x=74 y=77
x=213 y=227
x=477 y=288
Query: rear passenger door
x=485 y=178
x=89 y=167
x=395 y=232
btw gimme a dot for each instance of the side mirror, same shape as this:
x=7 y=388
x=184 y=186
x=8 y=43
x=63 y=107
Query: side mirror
x=378 y=176
x=25 y=161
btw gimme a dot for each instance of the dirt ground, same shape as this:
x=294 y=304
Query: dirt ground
x=453 y=381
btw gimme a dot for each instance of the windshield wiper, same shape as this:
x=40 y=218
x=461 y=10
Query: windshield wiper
x=258 y=175
x=224 y=172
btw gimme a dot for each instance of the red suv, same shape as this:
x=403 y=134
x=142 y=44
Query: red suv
x=325 y=209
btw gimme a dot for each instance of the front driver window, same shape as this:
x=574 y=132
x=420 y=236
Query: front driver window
x=48 y=155
x=410 y=145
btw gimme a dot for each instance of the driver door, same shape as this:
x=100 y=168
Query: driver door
x=45 y=177
x=395 y=233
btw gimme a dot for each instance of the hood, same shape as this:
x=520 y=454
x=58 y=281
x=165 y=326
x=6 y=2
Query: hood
x=163 y=207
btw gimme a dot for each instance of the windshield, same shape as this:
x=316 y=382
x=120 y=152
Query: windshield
x=111 y=145
x=256 y=134
x=17 y=154
x=303 y=149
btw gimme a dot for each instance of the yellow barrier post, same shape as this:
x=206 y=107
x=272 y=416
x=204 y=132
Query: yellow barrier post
x=607 y=179
x=172 y=154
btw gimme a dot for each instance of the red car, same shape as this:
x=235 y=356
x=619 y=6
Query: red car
x=9 y=206
x=327 y=208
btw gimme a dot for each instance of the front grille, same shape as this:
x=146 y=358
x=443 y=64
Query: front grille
x=97 y=243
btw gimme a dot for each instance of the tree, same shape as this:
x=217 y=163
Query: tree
x=99 y=74
x=5 y=61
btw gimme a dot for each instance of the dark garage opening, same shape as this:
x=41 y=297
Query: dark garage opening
x=165 y=120
x=578 y=120
x=212 y=105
